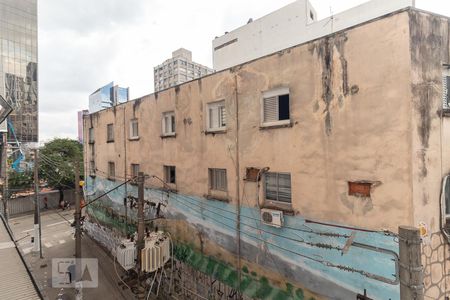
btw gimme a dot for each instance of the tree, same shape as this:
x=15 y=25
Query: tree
x=56 y=162
x=20 y=180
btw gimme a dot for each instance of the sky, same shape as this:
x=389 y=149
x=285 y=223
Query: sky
x=86 y=44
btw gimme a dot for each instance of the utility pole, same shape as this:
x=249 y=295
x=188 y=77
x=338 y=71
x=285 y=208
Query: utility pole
x=77 y=217
x=411 y=270
x=141 y=225
x=37 y=208
x=4 y=174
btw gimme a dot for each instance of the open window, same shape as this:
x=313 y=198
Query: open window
x=275 y=108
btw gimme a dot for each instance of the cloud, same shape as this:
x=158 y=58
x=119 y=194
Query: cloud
x=86 y=44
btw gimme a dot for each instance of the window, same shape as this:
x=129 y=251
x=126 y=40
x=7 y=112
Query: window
x=111 y=170
x=218 y=179
x=168 y=123
x=217 y=116
x=92 y=168
x=275 y=107
x=278 y=187
x=134 y=170
x=445 y=87
x=91 y=135
x=92 y=147
x=110 y=133
x=134 y=129
x=445 y=207
x=170 y=174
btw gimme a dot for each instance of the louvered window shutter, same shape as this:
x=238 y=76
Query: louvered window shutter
x=445 y=95
x=271 y=109
x=213 y=117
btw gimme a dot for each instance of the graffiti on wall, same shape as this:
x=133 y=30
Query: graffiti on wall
x=330 y=260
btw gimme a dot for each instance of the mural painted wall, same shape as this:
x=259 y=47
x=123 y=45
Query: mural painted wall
x=313 y=256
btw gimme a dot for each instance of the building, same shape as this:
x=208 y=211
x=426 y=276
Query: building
x=108 y=96
x=291 y=25
x=80 y=116
x=178 y=69
x=18 y=68
x=346 y=135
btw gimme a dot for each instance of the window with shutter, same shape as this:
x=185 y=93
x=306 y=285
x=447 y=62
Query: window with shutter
x=278 y=187
x=217 y=116
x=445 y=94
x=276 y=107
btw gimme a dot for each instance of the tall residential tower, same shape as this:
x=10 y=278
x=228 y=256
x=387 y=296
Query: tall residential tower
x=178 y=69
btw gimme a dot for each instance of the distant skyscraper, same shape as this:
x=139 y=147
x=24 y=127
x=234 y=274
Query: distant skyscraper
x=18 y=67
x=81 y=114
x=178 y=69
x=107 y=96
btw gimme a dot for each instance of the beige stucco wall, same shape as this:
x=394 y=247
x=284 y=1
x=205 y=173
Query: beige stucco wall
x=362 y=131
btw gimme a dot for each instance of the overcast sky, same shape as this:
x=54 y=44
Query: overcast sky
x=85 y=44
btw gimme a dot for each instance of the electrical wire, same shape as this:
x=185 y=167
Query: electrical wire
x=268 y=232
x=321 y=261
x=120 y=278
x=106 y=193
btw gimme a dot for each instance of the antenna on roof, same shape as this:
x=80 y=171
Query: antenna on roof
x=331 y=20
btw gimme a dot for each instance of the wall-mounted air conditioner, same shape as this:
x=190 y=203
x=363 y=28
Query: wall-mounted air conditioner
x=272 y=217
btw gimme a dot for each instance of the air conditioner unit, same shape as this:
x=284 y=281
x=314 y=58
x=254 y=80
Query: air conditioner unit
x=272 y=217
x=126 y=255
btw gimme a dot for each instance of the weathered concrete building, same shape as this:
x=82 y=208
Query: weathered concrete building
x=347 y=135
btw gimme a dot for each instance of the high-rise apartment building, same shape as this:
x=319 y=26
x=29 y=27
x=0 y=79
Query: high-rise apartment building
x=178 y=69
x=18 y=67
x=107 y=96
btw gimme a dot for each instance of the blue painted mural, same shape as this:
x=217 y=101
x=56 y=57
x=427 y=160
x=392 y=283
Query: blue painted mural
x=331 y=260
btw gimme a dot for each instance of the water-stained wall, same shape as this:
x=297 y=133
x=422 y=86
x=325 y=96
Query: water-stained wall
x=361 y=111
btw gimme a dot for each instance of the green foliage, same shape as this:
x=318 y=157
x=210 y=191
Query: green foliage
x=20 y=181
x=57 y=159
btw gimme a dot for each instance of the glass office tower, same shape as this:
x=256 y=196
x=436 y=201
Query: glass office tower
x=18 y=67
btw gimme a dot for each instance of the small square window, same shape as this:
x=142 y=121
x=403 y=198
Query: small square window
x=111 y=170
x=218 y=179
x=170 y=174
x=276 y=107
x=278 y=187
x=217 y=116
x=168 y=123
x=134 y=129
x=110 y=133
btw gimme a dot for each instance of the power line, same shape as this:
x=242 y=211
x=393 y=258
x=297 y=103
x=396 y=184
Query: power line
x=321 y=261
